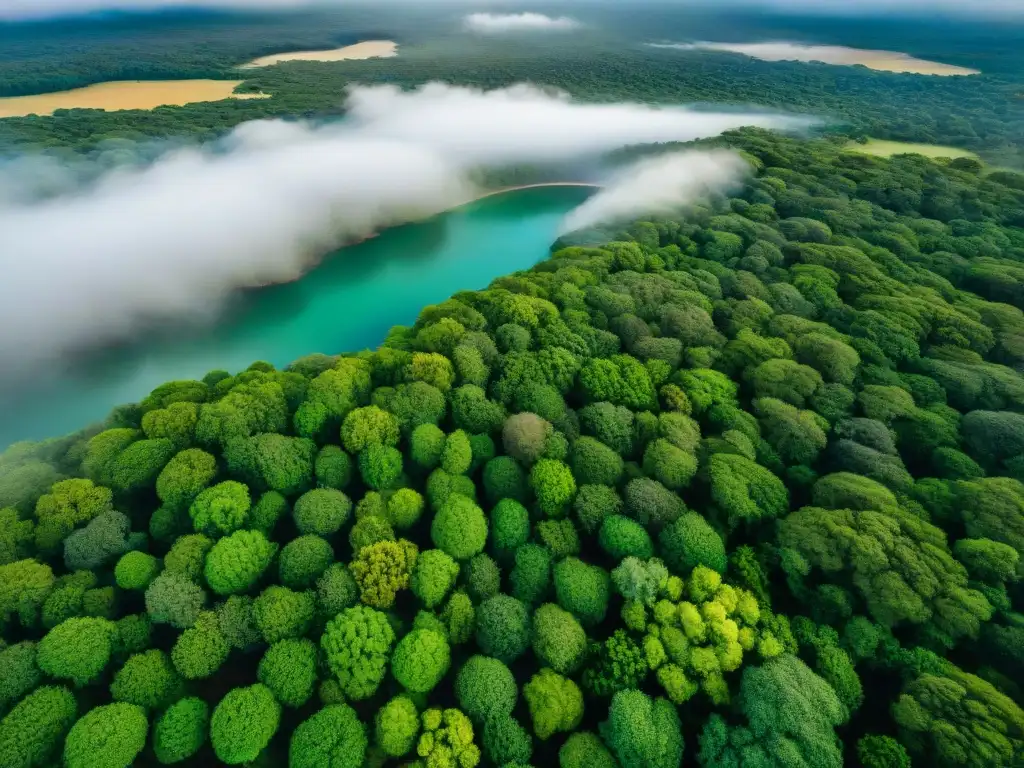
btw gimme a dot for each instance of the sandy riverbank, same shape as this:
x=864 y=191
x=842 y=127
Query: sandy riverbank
x=125 y=94
x=368 y=49
x=884 y=61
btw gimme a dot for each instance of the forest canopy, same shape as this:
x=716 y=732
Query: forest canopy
x=742 y=486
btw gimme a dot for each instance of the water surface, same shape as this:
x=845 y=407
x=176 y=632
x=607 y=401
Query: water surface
x=347 y=303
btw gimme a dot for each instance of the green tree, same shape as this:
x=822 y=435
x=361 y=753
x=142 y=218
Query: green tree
x=459 y=528
x=221 y=509
x=641 y=731
x=420 y=660
x=109 y=736
x=321 y=512
x=147 y=680
x=503 y=628
x=555 y=702
x=289 y=670
x=243 y=724
x=181 y=731
x=383 y=569
x=433 y=576
x=281 y=613
x=303 y=560
x=331 y=738
x=396 y=727
x=558 y=639
x=201 y=649
x=485 y=688
x=356 y=645
x=237 y=561
x=78 y=649
x=136 y=570
x=582 y=589
x=32 y=731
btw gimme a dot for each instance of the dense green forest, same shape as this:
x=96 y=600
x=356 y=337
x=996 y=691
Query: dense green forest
x=740 y=487
x=982 y=113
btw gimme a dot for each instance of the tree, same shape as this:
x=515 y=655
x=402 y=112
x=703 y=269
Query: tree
x=336 y=590
x=380 y=466
x=797 y=436
x=147 y=680
x=237 y=622
x=281 y=613
x=745 y=491
x=396 y=726
x=69 y=504
x=243 y=723
x=201 y=649
x=221 y=509
x=383 y=569
x=669 y=465
x=174 y=599
x=272 y=462
x=303 y=560
x=405 y=506
x=503 y=628
x=622 y=537
x=32 y=731
x=558 y=639
x=652 y=504
x=594 y=463
x=641 y=731
x=356 y=645
x=447 y=740
x=288 y=669
x=136 y=570
x=332 y=468
x=506 y=742
x=104 y=539
x=420 y=660
x=485 y=688
x=955 y=718
x=368 y=426
x=237 y=561
x=181 y=730
x=504 y=479
x=882 y=752
x=524 y=437
x=138 y=465
x=912 y=578
x=78 y=649
x=582 y=589
x=457 y=454
x=433 y=575
x=109 y=736
x=553 y=483
x=331 y=738
x=790 y=716
x=555 y=702
x=426 y=445
x=459 y=528
x=19 y=673
x=531 y=576
x=611 y=424
x=510 y=528
x=785 y=380
x=584 y=749
x=690 y=541
x=321 y=512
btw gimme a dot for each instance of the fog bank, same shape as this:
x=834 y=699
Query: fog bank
x=171 y=239
x=498 y=23
x=659 y=186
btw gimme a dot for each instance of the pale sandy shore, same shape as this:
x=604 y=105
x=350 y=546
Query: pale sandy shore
x=368 y=49
x=125 y=94
x=884 y=61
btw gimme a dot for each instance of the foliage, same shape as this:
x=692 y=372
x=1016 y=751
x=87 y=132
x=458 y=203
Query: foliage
x=420 y=660
x=332 y=737
x=641 y=731
x=243 y=723
x=447 y=740
x=148 y=680
x=107 y=736
x=237 y=561
x=77 y=649
x=181 y=731
x=382 y=569
x=356 y=646
x=289 y=670
x=32 y=731
x=503 y=628
x=485 y=688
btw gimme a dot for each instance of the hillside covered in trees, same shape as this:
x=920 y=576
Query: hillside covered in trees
x=741 y=488
x=606 y=62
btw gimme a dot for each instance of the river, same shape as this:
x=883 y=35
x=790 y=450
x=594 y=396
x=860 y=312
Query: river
x=345 y=304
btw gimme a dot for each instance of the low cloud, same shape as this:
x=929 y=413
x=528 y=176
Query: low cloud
x=658 y=186
x=173 y=238
x=500 y=23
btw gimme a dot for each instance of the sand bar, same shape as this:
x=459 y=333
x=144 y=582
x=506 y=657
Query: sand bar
x=884 y=61
x=369 y=49
x=880 y=148
x=125 y=94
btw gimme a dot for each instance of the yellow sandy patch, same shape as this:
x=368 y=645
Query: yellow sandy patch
x=368 y=49
x=880 y=148
x=885 y=61
x=126 y=94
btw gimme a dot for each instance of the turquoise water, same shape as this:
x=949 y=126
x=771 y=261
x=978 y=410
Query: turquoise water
x=346 y=304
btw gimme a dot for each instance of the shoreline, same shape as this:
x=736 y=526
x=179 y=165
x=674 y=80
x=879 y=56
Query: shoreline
x=476 y=198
